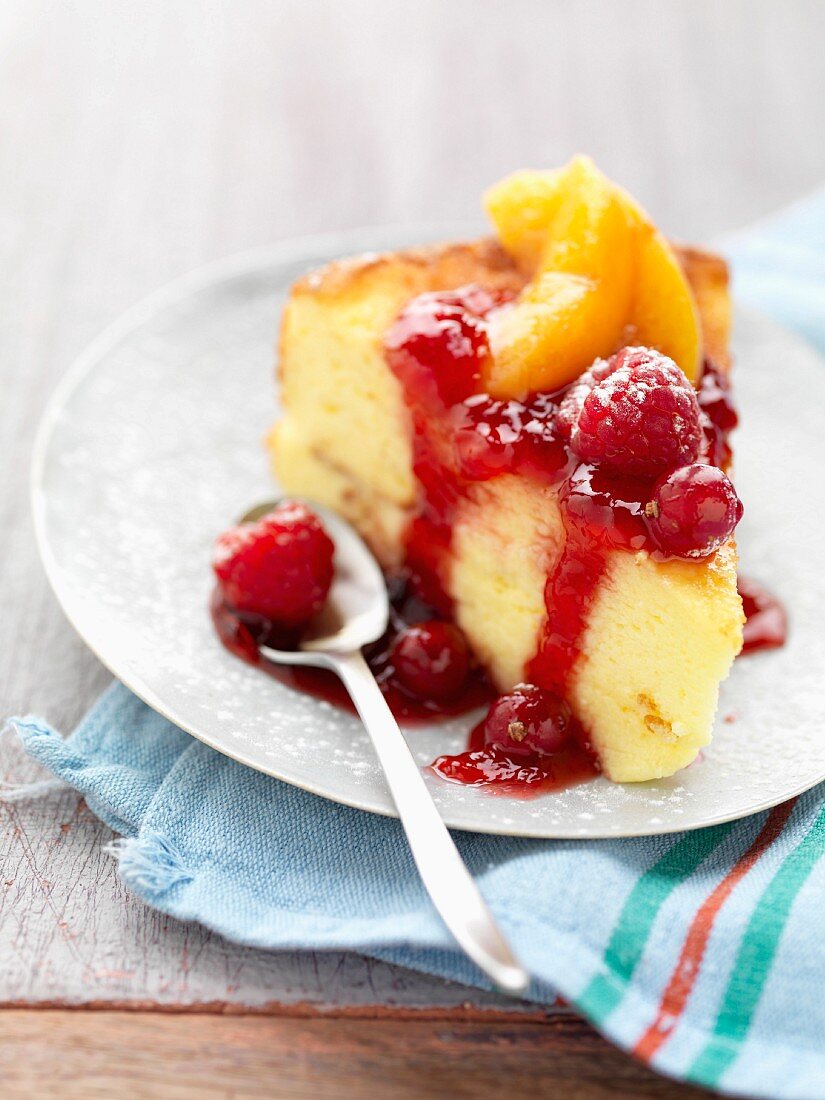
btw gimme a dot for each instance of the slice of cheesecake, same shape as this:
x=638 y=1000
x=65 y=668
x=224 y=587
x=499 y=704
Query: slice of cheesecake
x=545 y=563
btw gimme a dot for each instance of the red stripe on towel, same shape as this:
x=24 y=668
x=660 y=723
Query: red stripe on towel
x=684 y=976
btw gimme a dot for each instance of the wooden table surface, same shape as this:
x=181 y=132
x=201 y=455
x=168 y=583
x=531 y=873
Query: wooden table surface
x=138 y=141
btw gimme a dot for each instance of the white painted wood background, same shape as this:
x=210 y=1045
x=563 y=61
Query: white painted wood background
x=141 y=139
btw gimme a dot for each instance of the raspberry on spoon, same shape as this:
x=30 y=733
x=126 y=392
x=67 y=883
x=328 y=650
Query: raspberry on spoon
x=693 y=511
x=280 y=567
x=636 y=413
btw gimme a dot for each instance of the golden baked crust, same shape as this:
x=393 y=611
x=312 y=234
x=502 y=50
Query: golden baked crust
x=443 y=266
x=707 y=273
x=448 y=265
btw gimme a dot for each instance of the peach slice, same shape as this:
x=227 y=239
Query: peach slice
x=577 y=304
x=664 y=313
x=602 y=276
x=521 y=207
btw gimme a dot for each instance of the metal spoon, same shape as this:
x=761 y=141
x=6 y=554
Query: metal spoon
x=358 y=610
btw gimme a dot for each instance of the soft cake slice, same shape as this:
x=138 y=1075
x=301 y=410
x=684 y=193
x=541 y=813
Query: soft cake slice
x=659 y=636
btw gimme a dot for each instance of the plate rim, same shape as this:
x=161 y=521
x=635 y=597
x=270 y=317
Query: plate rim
x=247 y=262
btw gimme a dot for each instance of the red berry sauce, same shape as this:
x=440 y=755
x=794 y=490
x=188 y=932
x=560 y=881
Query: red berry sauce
x=242 y=634
x=522 y=776
x=462 y=435
x=719 y=416
x=766 y=621
x=605 y=445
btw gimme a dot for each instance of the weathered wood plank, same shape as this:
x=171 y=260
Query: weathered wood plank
x=103 y=1054
x=71 y=935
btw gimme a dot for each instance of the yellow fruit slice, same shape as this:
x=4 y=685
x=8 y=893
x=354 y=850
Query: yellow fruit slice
x=602 y=276
x=521 y=207
x=664 y=314
x=577 y=305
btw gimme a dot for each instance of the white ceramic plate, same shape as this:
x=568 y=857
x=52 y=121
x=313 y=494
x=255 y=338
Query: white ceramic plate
x=153 y=443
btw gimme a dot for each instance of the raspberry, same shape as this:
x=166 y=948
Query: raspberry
x=570 y=408
x=280 y=567
x=636 y=413
x=693 y=511
x=431 y=660
x=528 y=720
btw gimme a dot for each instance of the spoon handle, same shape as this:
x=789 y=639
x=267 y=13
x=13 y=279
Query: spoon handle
x=443 y=872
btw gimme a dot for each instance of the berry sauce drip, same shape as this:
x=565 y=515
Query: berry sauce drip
x=438 y=349
x=529 y=742
x=243 y=633
x=489 y=766
x=766 y=621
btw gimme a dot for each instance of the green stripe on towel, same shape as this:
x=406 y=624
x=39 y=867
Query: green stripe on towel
x=755 y=957
x=652 y=889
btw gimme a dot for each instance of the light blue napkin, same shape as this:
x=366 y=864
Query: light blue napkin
x=703 y=952
x=779 y=267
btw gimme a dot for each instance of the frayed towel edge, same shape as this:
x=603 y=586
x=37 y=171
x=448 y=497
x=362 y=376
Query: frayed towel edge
x=22 y=792
x=149 y=863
